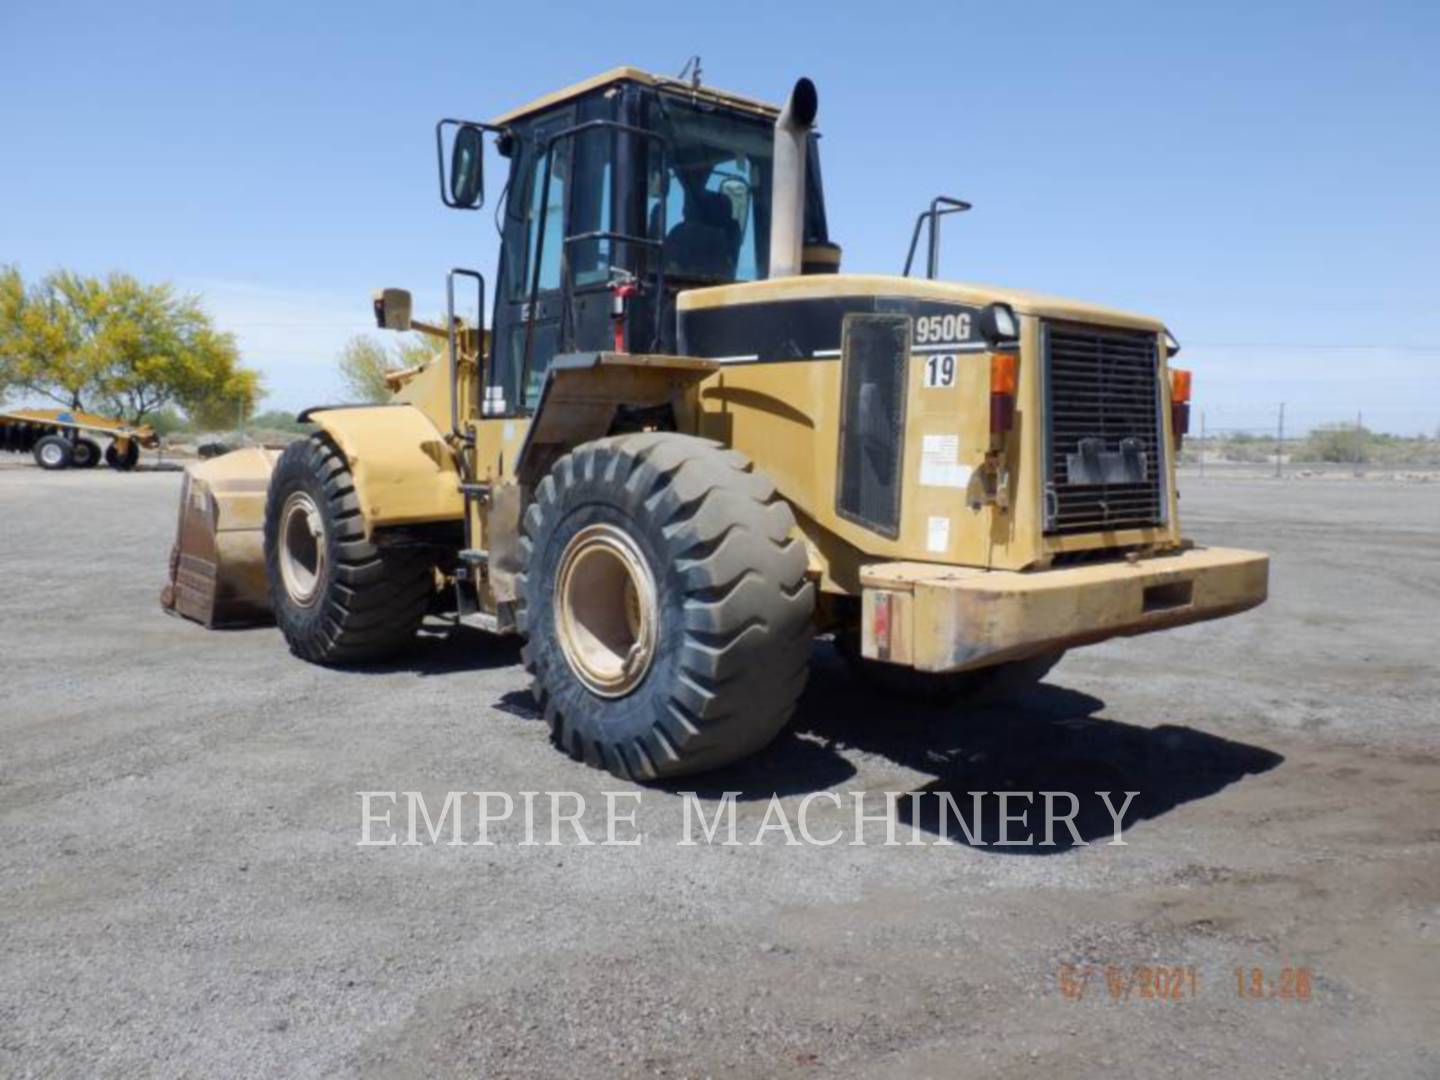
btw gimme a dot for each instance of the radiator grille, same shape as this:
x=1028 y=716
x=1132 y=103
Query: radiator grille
x=1104 y=462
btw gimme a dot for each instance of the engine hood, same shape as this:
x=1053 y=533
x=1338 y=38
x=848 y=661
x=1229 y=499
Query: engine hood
x=819 y=286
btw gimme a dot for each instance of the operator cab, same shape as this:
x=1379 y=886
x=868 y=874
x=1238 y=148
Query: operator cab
x=623 y=190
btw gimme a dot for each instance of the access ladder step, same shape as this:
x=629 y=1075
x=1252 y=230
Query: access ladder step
x=474 y=556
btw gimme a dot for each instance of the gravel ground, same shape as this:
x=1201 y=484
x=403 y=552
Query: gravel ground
x=182 y=893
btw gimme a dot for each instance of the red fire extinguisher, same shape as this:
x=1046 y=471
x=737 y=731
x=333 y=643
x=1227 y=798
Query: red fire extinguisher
x=622 y=287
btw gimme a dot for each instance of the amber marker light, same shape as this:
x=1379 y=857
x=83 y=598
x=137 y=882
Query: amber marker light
x=1003 y=380
x=1179 y=404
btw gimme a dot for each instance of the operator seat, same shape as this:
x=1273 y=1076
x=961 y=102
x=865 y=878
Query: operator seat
x=706 y=242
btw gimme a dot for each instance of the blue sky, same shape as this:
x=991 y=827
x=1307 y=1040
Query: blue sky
x=1264 y=177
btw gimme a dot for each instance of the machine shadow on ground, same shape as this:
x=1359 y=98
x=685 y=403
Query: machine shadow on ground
x=441 y=648
x=1047 y=739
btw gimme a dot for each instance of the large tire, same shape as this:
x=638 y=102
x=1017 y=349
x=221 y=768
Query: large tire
x=54 y=452
x=721 y=614
x=122 y=462
x=978 y=687
x=87 y=453
x=337 y=597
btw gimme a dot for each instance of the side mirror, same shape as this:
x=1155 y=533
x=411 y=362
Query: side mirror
x=392 y=309
x=467 y=167
x=462 y=179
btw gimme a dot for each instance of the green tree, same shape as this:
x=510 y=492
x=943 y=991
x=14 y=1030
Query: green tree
x=169 y=421
x=279 y=420
x=12 y=298
x=365 y=361
x=116 y=344
x=1338 y=443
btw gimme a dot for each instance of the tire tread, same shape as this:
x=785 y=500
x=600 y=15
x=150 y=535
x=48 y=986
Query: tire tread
x=746 y=610
x=375 y=599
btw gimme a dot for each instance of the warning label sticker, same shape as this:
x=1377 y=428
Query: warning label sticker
x=937 y=536
x=939 y=462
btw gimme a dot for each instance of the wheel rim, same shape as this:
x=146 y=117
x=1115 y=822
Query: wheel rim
x=605 y=610
x=302 y=548
x=52 y=455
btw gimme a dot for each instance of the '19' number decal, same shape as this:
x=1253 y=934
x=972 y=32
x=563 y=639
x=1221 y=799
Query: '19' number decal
x=940 y=370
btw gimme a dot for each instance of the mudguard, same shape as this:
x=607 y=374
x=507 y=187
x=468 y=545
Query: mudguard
x=405 y=472
x=585 y=393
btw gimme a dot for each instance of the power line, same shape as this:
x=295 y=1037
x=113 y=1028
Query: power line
x=1368 y=346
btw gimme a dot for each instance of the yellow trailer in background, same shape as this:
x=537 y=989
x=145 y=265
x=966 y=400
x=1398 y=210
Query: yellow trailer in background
x=66 y=439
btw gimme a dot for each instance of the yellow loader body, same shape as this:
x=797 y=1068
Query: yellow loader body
x=947 y=618
x=685 y=447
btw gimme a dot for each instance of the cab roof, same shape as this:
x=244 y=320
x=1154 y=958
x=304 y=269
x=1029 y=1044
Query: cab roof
x=644 y=78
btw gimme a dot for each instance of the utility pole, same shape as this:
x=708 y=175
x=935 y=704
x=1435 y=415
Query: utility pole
x=1202 y=444
x=1359 y=439
x=1280 y=439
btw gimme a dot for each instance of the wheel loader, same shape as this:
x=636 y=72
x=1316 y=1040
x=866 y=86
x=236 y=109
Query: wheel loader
x=689 y=443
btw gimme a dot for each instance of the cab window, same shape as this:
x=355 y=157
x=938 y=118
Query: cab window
x=711 y=206
x=547 y=201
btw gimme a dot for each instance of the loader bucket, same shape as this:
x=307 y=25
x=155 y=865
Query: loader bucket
x=217 y=566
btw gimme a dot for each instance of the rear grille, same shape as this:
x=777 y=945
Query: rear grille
x=1104 y=463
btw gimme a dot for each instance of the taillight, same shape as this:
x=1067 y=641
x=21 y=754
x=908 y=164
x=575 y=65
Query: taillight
x=880 y=624
x=1179 y=404
x=1003 y=369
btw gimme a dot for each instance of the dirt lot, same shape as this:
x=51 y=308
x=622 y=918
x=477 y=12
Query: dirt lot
x=181 y=890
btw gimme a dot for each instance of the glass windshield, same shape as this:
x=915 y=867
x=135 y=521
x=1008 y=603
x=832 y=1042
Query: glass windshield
x=712 y=204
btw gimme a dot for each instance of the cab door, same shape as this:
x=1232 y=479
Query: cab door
x=515 y=381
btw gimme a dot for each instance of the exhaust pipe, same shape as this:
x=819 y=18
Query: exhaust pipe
x=787 y=200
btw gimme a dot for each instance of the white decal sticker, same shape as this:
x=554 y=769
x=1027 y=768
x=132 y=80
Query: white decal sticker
x=941 y=328
x=937 y=536
x=939 y=462
x=940 y=370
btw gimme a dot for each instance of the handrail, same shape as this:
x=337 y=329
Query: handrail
x=465 y=437
x=939 y=206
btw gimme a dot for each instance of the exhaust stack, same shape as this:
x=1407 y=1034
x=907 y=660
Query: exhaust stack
x=787 y=201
